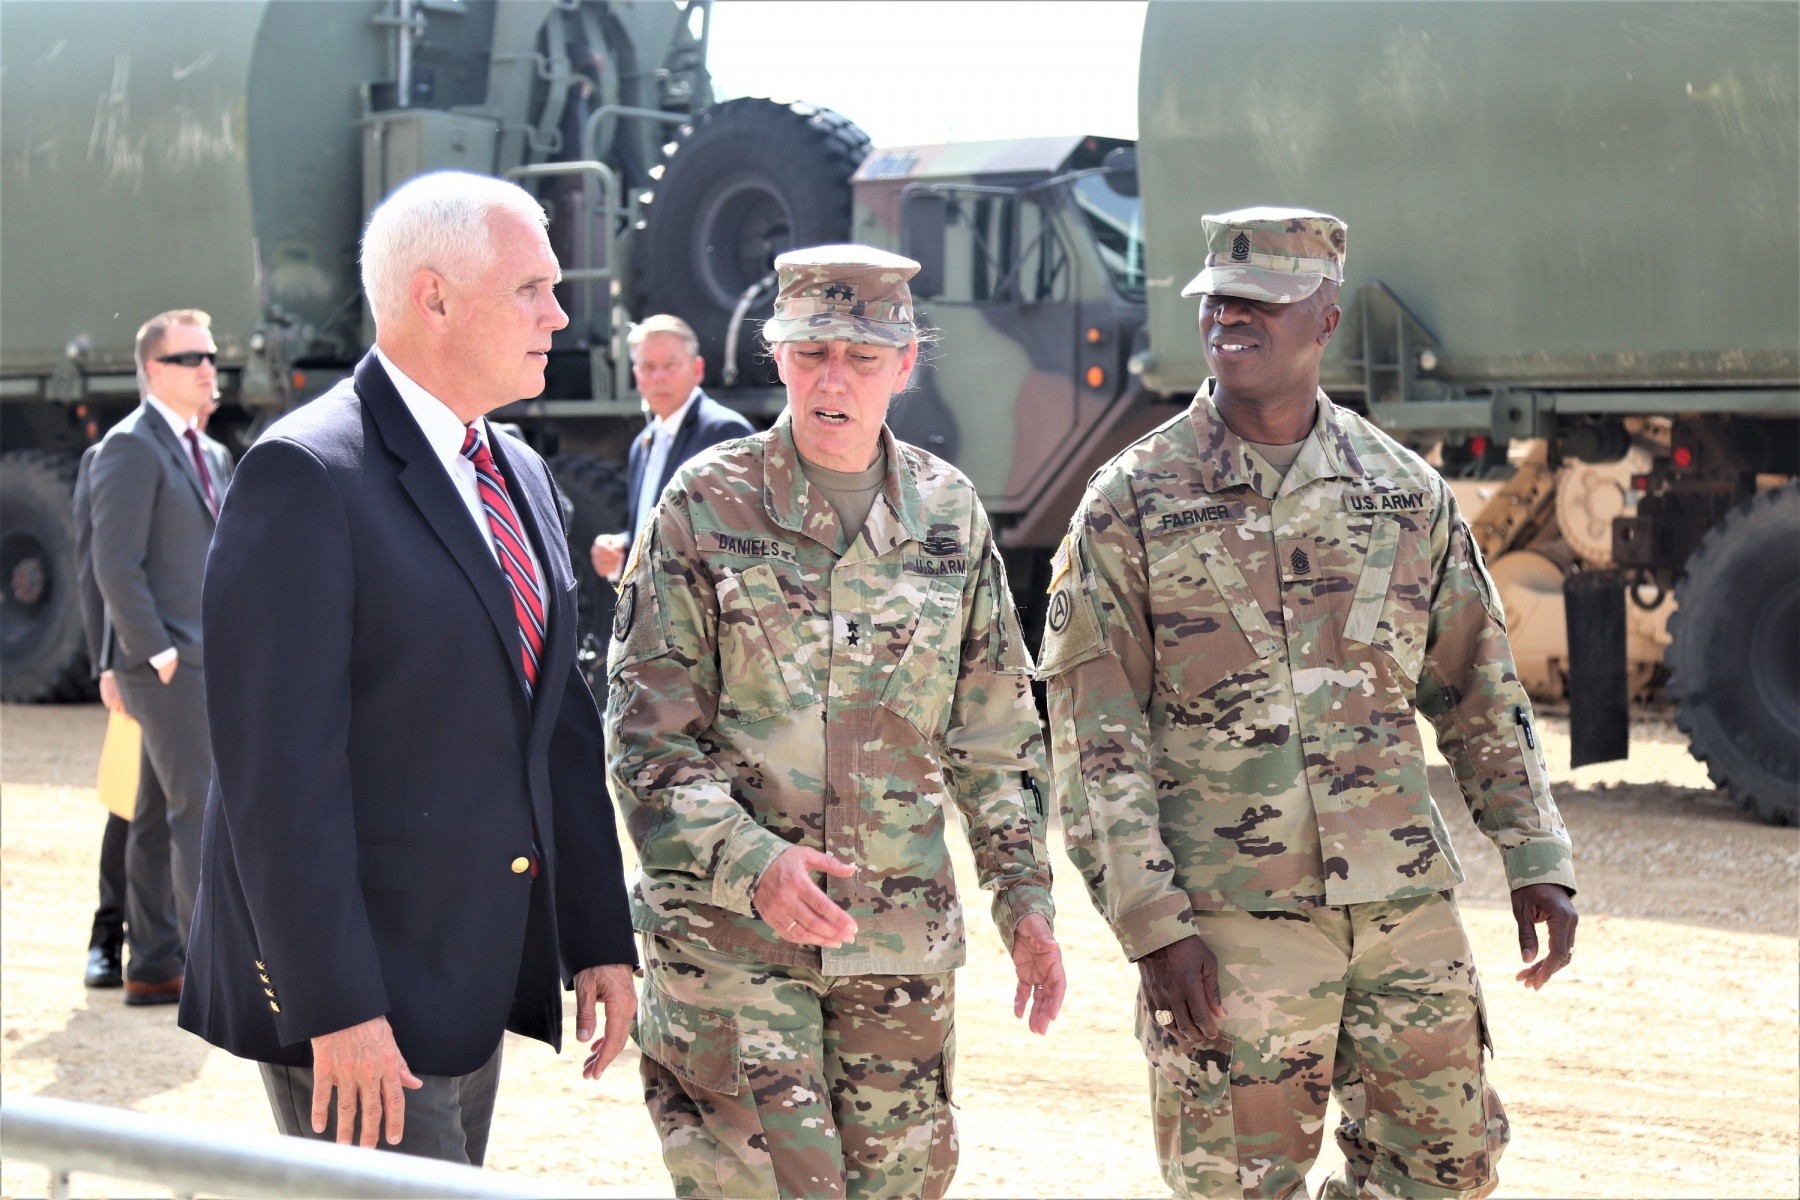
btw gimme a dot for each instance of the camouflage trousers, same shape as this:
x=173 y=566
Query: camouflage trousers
x=1376 y=1002
x=767 y=1080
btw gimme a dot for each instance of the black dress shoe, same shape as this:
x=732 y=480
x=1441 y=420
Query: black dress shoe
x=166 y=992
x=103 y=969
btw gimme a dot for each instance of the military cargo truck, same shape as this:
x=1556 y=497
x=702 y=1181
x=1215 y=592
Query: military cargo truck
x=1574 y=282
x=1573 y=277
x=225 y=156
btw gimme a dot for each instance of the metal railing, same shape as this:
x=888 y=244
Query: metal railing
x=65 y=1136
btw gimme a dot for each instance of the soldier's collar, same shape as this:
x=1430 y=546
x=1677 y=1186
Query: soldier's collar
x=1226 y=461
x=786 y=494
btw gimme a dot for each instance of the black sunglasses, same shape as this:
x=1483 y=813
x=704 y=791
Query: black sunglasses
x=190 y=358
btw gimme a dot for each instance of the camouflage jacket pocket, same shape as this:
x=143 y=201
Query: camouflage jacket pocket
x=1202 y=1072
x=1390 y=609
x=923 y=682
x=1205 y=621
x=761 y=674
x=699 y=1045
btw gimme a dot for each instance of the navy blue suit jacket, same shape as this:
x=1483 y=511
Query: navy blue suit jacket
x=706 y=424
x=379 y=771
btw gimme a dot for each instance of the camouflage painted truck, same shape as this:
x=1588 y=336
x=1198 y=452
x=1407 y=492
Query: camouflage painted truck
x=225 y=155
x=1574 y=281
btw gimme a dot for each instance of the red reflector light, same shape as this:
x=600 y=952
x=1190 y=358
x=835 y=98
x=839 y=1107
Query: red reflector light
x=1096 y=377
x=1478 y=446
x=1640 y=483
x=1683 y=456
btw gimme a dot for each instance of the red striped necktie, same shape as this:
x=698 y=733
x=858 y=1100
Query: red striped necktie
x=515 y=560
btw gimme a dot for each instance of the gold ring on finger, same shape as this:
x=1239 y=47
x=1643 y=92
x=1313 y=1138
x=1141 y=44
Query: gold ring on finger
x=1164 y=1016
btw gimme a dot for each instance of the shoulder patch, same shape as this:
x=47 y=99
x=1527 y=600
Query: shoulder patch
x=1059 y=565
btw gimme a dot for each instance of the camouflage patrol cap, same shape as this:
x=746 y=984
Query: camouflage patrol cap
x=1276 y=254
x=844 y=293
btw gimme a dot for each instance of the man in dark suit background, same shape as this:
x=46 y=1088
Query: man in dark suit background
x=106 y=940
x=153 y=490
x=684 y=420
x=409 y=847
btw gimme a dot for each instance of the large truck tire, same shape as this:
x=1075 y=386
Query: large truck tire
x=744 y=181
x=43 y=654
x=1734 y=662
x=596 y=490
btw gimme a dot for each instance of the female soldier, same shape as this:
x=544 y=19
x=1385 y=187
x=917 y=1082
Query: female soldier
x=815 y=650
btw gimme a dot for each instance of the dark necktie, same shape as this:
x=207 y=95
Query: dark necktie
x=515 y=560
x=193 y=441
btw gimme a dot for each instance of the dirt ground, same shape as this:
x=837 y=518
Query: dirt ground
x=1662 y=1063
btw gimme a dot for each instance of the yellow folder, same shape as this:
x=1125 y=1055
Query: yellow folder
x=119 y=758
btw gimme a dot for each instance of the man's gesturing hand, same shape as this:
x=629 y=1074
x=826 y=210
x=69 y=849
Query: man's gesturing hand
x=1037 y=960
x=364 y=1065
x=1183 y=979
x=608 y=555
x=609 y=985
x=795 y=907
x=1549 y=903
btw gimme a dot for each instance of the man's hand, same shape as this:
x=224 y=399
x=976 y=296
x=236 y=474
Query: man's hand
x=611 y=986
x=1551 y=904
x=364 y=1065
x=166 y=672
x=608 y=556
x=1037 y=960
x=795 y=907
x=109 y=694
x=1183 y=978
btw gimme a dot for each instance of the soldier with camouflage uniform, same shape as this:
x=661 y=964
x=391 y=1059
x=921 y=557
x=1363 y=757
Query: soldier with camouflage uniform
x=1252 y=603
x=815 y=654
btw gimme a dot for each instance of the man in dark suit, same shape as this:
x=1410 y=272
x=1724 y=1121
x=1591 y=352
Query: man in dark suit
x=666 y=362
x=106 y=940
x=409 y=848
x=154 y=488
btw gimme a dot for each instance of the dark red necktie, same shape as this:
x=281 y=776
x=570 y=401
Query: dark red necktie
x=515 y=560
x=193 y=441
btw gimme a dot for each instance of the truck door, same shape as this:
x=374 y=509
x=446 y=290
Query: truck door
x=997 y=394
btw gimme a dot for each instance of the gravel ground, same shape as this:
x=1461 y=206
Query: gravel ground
x=1661 y=1063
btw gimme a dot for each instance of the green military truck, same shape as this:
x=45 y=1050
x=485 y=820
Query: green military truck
x=1574 y=281
x=225 y=157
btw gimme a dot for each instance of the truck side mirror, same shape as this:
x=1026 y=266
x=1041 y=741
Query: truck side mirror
x=923 y=216
x=1120 y=167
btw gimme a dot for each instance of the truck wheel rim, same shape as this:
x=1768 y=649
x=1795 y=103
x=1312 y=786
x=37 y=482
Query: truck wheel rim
x=742 y=227
x=1774 y=654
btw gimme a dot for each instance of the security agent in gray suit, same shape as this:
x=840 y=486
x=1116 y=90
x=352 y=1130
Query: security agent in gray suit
x=154 y=492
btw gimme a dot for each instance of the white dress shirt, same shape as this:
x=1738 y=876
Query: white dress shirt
x=445 y=433
x=662 y=432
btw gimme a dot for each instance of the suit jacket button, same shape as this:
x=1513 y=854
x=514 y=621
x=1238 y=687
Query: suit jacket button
x=520 y=865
